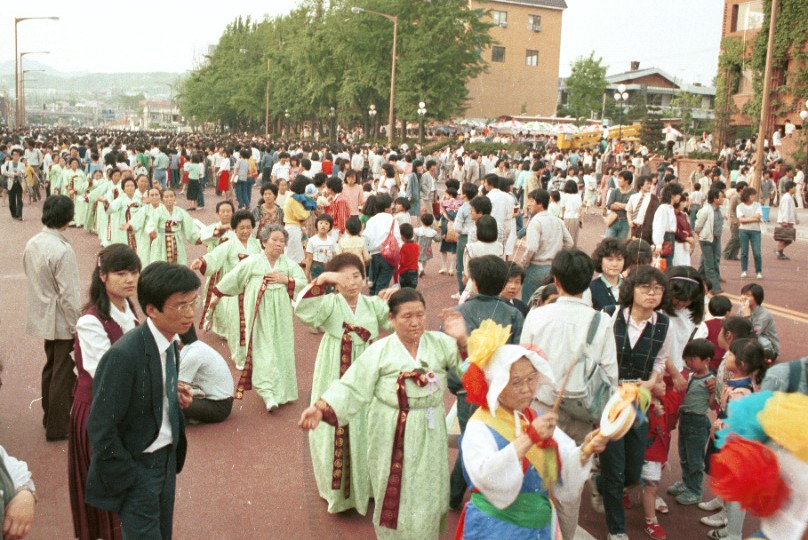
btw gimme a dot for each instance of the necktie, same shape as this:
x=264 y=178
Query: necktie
x=171 y=393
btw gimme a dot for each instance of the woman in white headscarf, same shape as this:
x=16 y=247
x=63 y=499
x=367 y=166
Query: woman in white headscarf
x=517 y=461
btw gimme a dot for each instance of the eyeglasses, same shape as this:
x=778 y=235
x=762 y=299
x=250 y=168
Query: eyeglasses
x=531 y=380
x=186 y=306
x=648 y=289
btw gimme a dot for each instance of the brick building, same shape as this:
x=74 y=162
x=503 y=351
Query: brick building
x=523 y=62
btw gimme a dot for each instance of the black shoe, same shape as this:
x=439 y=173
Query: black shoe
x=57 y=438
x=783 y=257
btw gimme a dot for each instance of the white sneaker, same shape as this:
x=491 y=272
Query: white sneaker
x=618 y=536
x=759 y=275
x=455 y=296
x=743 y=274
x=271 y=406
x=716 y=520
x=712 y=505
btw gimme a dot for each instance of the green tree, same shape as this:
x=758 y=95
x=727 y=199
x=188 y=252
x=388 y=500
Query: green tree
x=586 y=86
x=651 y=133
x=682 y=105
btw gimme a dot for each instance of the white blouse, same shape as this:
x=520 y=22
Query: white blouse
x=93 y=338
x=664 y=222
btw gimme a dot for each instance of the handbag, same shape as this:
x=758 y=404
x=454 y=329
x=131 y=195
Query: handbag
x=451 y=234
x=587 y=404
x=667 y=248
x=390 y=250
x=785 y=234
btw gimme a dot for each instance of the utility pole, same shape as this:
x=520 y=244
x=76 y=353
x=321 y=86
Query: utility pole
x=266 y=112
x=766 y=101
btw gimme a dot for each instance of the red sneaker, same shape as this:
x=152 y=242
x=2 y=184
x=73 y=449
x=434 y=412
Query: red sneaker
x=627 y=500
x=655 y=531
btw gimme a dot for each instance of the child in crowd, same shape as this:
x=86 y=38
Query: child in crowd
x=719 y=306
x=694 y=425
x=555 y=204
x=762 y=321
x=746 y=365
x=697 y=198
x=408 y=264
x=353 y=241
x=425 y=235
x=401 y=210
x=512 y=293
x=544 y=295
x=320 y=248
x=486 y=244
x=664 y=405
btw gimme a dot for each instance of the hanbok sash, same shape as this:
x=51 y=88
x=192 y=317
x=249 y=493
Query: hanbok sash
x=171 y=242
x=214 y=279
x=130 y=234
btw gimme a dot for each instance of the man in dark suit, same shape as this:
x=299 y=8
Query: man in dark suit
x=135 y=427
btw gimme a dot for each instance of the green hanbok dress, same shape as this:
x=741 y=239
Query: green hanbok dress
x=55 y=179
x=96 y=209
x=408 y=451
x=228 y=317
x=270 y=361
x=140 y=223
x=342 y=475
x=123 y=210
x=75 y=181
x=173 y=230
x=109 y=230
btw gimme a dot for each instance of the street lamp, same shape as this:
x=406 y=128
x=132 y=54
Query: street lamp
x=372 y=114
x=621 y=96
x=18 y=20
x=22 y=91
x=332 y=116
x=421 y=114
x=286 y=115
x=390 y=117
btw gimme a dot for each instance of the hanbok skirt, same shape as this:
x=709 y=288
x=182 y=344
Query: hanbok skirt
x=89 y=523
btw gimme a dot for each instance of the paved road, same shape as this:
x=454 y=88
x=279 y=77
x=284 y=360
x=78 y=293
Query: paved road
x=251 y=476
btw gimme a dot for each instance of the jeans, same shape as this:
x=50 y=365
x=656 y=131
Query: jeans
x=694 y=431
x=618 y=229
x=200 y=197
x=534 y=276
x=147 y=512
x=241 y=194
x=710 y=261
x=175 y=178
x=462 y=240
x=382 y=272
x=409 y=279
x=753 y=238
x=457 y=481
x=694 y=209
x=160 y=176
x=248 y=190
x=620 y=466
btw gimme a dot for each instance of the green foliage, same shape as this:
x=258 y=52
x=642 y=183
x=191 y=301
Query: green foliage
x=321 y=55
x=703 y=155
x=651 y=134
x=585 y=86
x=730 y=65
x=484 y=148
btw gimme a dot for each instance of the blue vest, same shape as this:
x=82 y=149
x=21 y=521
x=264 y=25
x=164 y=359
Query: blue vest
x=637 y=362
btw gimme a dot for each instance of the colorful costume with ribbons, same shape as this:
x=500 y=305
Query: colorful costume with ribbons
x=339 y=454
x=270 y=357
x=407 y=448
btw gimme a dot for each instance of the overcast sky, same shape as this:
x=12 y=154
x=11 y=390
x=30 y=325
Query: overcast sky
x=681 y=37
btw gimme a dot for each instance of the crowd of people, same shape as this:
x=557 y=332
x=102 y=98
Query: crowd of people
x=333 y=221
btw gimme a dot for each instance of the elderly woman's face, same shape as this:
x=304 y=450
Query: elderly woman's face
x=275 y=244
x=409 y=322
x=521 y=387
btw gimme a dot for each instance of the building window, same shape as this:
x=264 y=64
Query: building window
x=497 y=54
x=747 y=16
x=534 y=23
x=531 y=57
x=500 y=18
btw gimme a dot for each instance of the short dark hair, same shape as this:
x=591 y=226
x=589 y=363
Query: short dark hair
x=299 y=184
x=700 y=348
x=685 y=283
x=189 y=336
x=218 y=204
x=57 y=211
x=719 y=305
x=573 y=269
x=403 y=296
x=541 y=196
x=751 y=355
x=638 y=252
x=492 y=180
x=469 y=190
x=713 y=194
x=353 y=225
x=490 y=273
x=383 y=202
x=487 y=230
x=789 y=185
x=403 y=202
x=669 y=191
x=406 y=231
x=628 y=176
x=481 y=204
x=334 y=184
x=325 y=217
x=739 y=327
x=756 y=291
x=515 y=270
x=345 y=260
x=571 y=186
x=240 y=216
x=268 y=186
x=427 y=219
x=160 y=280
x=608 y=247
x=644 y=275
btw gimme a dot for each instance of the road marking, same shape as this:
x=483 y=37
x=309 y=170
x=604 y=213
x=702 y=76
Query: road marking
x=10 y=277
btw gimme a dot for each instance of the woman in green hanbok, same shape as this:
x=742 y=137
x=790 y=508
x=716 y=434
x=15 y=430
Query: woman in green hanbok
x=123 y=210
x=228 y=318
x=55 y=177
x=269 y=282
x=401 y=380
x=140 y=225
x=112 y=190
x=218 y=233
x=100 y=186
x=169 y=229
x=73 y=183
x=351 y=322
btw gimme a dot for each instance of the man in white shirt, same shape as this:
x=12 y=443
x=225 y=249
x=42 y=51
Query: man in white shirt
x=280 y=170
x=208 y=377
x=638 y=203
x=135 y=426
x=376 y=231
x=501 y=206
x=561 y=330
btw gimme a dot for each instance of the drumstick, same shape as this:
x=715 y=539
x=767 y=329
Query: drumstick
x=557 y=404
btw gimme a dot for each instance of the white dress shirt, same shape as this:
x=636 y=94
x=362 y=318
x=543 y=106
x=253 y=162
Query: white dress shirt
x=18 y=471
x=376 y=230
x=164 y=437
x=94 y=340
x=203 y=366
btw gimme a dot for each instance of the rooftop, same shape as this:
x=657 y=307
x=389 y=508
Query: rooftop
x=549 y=4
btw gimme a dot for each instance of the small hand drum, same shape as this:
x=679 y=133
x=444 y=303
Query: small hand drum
x=617 y=418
